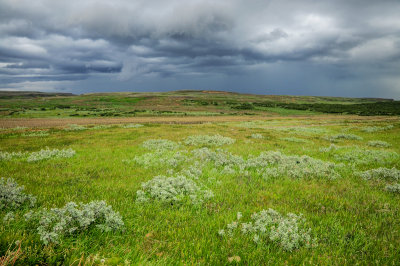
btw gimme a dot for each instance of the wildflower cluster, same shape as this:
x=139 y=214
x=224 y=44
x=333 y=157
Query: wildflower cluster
x=208 y=140
x=376 y=129
x=378 y=143
x=73 y=218
x=269 y=226
x=47 y=153
x=12 y=195
x=173 y=190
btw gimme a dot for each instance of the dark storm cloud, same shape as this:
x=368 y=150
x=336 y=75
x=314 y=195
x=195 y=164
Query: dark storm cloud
x=154 y=43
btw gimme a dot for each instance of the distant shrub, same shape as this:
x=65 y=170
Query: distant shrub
x=74 y=127
x=6 y=156
x=296 y=140
x=160 y=145
x=193 y=172
x=36 y=134
x=376 y=129
x=390 y=176
x=19 y=128
x=381 y=173
x=303 y=130
x=343 y=136
x=219 y=157
x=257 y=136
x=289 y=232
x=12 y=195
x=294 y=166
x=378 y=143
x=159 y=158
x=269 y=164
x=102 y=127
x=9 y=217
x=132 y=126
x=47 y=153
x=207 y=140
x=73 y=218
x=332 y=147
x=394 y=188
x=173 y=190
x=360 y=156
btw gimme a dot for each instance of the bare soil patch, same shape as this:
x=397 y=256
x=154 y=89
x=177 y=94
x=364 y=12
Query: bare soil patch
x=54 y=122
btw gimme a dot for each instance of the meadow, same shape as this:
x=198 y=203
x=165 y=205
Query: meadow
x=197 y=178
x=271 y=191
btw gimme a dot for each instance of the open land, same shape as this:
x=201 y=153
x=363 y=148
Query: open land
x=189 y=178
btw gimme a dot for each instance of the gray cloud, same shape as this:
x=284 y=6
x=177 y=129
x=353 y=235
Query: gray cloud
x=300 y=47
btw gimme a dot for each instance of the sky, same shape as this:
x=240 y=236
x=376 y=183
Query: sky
x=345 y=48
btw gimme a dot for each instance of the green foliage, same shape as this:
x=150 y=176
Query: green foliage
x=376 y=129
x=353 y=219
x=361 y=156
x=207 y=140
x=131 y=125
x=341 y=136
x=73 y=219
x=12 y=195
x=36 y=134
x=6 y=156
x=394 y=188
x=159 y=158
x=160 y=145
x=378 y=143
x=257 y=136
x=47 y=153
x=173 y=190
x=74 y=127
x=376 y=108
x=269 y=226
x=296 y=140
x=382 y=174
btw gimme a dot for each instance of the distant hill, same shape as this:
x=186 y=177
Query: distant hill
x=30 y=94
x=184 y=103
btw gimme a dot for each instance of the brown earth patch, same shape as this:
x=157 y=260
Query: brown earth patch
x=55 y=122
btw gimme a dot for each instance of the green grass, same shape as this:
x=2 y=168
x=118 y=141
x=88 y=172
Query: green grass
x=355 y=221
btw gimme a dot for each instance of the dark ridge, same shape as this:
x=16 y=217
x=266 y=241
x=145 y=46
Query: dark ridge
x=31 y=94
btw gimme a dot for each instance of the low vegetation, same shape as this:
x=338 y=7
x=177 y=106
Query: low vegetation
x=256 y=192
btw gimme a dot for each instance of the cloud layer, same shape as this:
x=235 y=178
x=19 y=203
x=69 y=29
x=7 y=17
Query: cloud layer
x=348 y=48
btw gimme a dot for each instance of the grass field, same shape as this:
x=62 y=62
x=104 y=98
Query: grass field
x=216 y=175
